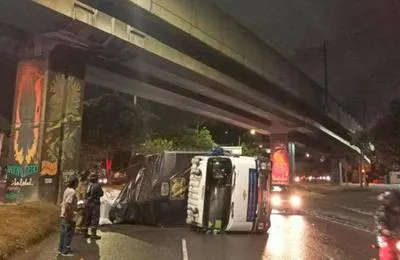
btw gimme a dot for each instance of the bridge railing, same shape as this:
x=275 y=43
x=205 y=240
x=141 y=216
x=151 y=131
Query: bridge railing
x=339 y=113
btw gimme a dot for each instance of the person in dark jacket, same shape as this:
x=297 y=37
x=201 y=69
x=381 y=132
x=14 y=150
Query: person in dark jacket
x=93 y=194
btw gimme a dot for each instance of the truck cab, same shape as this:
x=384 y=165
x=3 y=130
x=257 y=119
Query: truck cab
x=229 y=193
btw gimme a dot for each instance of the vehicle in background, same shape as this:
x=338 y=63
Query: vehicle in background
x=118 y=178
x=285 y=199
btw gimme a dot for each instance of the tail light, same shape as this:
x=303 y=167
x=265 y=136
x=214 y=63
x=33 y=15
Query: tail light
x=398 y=245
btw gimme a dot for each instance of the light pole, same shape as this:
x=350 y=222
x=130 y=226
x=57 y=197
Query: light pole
x=363 y=141
x=324 y=50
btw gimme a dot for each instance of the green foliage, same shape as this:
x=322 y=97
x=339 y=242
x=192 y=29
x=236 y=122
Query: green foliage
x=183 y=138
x=157 y=145
x=193 y=139
x=250 y=150
x=386 y=136
x=112 y=123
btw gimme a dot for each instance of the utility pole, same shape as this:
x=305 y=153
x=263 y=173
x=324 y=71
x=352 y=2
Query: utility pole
x=324 y=50
x=325 y=54
x=363 y=141
x=60 y=166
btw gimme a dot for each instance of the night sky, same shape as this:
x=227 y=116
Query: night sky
x=363 y=43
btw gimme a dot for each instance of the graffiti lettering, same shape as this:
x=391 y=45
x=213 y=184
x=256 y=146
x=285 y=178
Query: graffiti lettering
x=11 y=196
x=48 y=168
x=18 y=171
x=13 y=189
x=67 y=175
x=21 y=182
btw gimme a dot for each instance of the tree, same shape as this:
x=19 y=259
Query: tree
x=193 y=139
x=111 y=123
x=157 y=145
x=386 y=137
x=183 y=138
x=250 y=150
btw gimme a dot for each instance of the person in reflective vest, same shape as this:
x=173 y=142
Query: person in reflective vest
x=93 y=195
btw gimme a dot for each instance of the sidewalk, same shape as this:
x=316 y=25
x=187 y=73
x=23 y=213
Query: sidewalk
x=373 y=186
x=316 y=187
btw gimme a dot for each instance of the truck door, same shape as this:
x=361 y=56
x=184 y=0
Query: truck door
x=262 y=221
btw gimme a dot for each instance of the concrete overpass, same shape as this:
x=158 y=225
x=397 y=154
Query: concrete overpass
x=187 y=54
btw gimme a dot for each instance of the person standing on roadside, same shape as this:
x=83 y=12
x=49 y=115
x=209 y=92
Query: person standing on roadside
x=81 y=195
x=68 y=217
x=93 y=195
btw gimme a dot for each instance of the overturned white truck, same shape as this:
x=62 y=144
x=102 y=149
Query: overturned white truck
x=229 y=193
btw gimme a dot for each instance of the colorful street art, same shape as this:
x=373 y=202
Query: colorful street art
x=178 y=188
x=280 y=162
x=28 y=101
x=23 y=162
x=62 y=130
x=46 y=132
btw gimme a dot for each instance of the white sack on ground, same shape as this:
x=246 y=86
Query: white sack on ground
x=106 y=202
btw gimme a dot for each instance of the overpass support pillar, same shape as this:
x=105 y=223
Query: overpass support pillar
x=282 y=158
x=46 y=127
x=335 y=170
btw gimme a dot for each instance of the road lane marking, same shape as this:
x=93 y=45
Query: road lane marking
x=184 y=250
x=344 y=224
x=356 y=211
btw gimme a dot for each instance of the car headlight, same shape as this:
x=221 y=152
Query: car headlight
x=295 y=201
x=276 y=200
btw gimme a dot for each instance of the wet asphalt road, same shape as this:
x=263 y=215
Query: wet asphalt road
x=334 y=225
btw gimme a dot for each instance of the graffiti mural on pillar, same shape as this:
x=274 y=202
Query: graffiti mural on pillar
x=280 y=163
x=63 y=121
x=63 y=112
x=22 y=168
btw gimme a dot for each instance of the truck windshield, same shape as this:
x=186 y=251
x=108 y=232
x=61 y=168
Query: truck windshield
x=280 y=188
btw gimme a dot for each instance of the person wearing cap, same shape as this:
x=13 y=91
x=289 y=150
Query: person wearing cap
x=68 y=217
x=93 y=195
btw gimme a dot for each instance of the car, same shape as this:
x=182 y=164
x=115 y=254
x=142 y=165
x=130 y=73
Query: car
x=284 y=199
x=118 y=178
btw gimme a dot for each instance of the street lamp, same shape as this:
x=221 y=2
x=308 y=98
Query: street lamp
x=308 y=155
x=252 y=131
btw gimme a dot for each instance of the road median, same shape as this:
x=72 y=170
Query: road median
x=24 y=225
x=327 y=189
